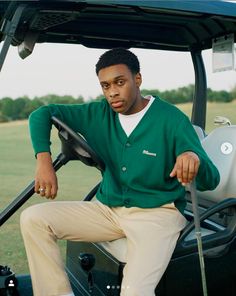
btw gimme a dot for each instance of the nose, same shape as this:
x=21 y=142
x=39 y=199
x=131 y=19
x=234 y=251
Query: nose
x=113 y=91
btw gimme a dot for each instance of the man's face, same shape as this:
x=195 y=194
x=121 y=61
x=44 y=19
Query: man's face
x=121 y=88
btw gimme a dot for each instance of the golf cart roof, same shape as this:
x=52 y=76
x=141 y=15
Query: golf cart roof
x=168 y=25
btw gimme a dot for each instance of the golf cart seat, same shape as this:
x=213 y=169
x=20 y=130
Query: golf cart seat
x=220 y=145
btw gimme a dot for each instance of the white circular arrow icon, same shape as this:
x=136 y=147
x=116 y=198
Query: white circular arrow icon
x=226 y=148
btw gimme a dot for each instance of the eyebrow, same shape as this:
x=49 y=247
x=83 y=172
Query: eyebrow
x=116 y=78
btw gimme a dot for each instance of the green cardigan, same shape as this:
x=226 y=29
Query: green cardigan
x=137 y=167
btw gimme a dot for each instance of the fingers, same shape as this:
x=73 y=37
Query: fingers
x=49 y=191
x=190 y=171
x=173 y=173
x=54 y=189
x=186 y=167
x=36 y=186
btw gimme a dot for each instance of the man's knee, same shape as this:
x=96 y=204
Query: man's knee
x=31 y=216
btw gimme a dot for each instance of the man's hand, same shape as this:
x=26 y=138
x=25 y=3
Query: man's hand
x=45 y=176
x=186 y=167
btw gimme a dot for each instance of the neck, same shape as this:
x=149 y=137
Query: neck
x=143 y=103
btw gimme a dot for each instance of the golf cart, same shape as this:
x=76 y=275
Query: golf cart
x=180 y=26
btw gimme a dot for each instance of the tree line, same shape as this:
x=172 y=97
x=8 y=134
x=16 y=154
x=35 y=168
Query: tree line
x=20 y=108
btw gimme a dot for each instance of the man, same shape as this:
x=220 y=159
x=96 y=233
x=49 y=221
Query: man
x=150 y=151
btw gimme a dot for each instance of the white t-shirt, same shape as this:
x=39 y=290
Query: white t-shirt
x=129 y=122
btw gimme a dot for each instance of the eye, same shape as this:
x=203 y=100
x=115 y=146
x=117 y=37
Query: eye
x=120 y=82
x=105 y=86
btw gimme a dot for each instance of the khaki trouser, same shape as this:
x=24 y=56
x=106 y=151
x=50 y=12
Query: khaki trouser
x=151 y=238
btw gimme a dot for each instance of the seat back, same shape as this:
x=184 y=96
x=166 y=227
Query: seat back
x=220 y=145
x=200 y=132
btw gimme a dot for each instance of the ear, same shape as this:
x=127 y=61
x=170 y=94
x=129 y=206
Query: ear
x=138 y=79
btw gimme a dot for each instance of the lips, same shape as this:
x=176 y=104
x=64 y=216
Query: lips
x=117 y=104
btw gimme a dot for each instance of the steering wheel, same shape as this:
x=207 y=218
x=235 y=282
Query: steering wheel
x=75 y=147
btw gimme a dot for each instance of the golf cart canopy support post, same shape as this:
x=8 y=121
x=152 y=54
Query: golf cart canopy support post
x=10 y=26
x=200 y=94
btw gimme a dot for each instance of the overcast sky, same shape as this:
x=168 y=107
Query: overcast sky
x=69 y=69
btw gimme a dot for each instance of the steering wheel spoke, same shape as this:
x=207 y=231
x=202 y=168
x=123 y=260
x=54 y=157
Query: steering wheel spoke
x=75 y=147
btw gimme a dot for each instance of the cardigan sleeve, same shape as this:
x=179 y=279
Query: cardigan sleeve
x=40 y=123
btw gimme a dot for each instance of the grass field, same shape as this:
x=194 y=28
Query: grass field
x=75 y=179
x=17 y=171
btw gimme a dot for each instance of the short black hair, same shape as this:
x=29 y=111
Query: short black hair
x=118 y=56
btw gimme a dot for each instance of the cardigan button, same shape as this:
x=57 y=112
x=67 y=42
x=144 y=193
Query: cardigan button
x=127 y=144
x=127 y=201
x=124 y=169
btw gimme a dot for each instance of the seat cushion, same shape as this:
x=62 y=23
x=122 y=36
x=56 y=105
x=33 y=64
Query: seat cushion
x=118 y=248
